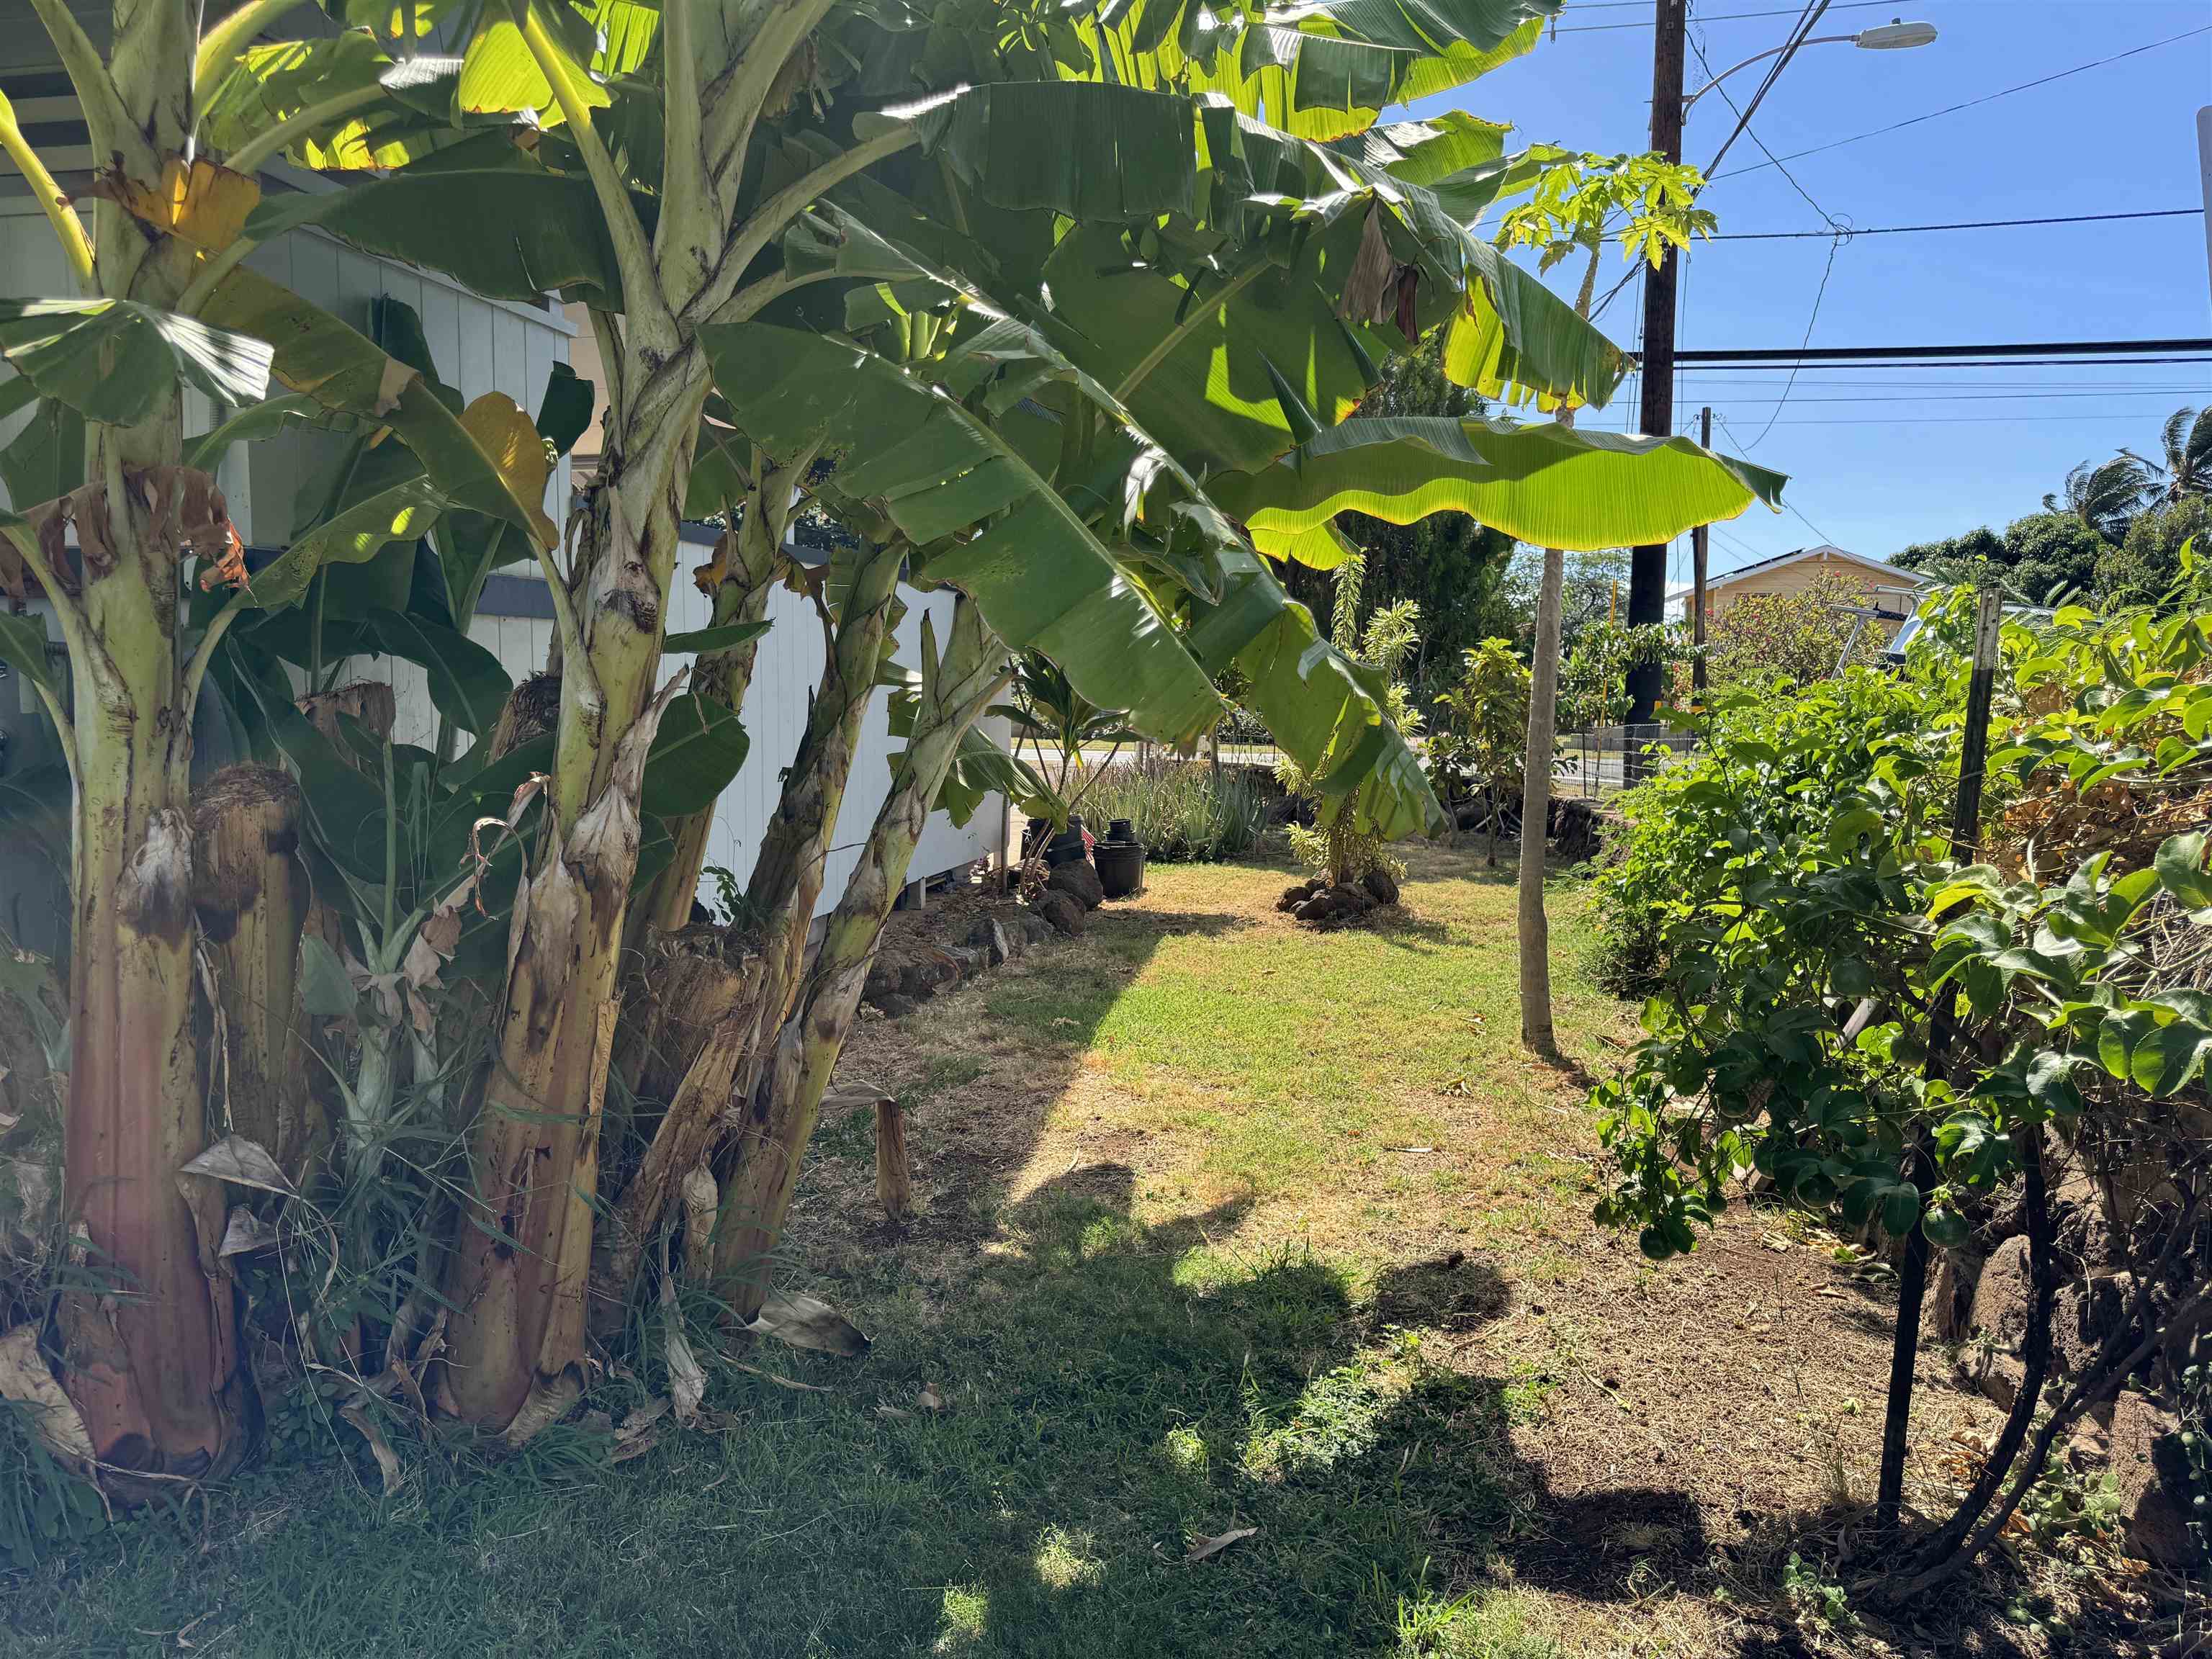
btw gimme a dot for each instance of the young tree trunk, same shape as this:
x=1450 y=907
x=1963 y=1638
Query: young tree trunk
x=780 y=1111
x=786 y=883
x=1536 y=1031
x=154 y=1373
x=518 y=1275
x=740 y=578
x=251 y=892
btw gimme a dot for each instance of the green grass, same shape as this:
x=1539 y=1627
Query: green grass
x=1122 y=1374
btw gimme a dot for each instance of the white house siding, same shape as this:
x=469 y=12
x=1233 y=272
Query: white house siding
x=785 y=674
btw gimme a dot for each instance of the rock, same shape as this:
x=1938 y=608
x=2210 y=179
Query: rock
x=883 y=982
x=2005 y=1297
x=972 y=959
x=1997 y=1375
x=1575 y=829
x=1079 y=882
x=2151 y=1470
x=2087 y=1313
x=926 y=975
x=1382 y=886
x=1951 y=1296
x=1352 y=901
x=2187 y=1342
x=1319 y=909
x=1062 y=910
x=1035 y=930
x=896 y=1007
x=990 y=938
x=1294 y=897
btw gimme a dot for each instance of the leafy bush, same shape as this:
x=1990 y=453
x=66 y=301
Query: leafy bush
x=1177 y=809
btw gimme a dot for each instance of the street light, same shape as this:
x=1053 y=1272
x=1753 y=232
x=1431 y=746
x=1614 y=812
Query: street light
x=1896 y=35
x=1647 y=570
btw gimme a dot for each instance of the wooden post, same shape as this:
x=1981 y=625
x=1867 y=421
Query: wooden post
x=1943 y=1027
x=894 y=1176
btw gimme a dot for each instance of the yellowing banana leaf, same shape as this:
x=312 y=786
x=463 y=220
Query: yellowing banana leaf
x=1038 y=573
x=1547 y=484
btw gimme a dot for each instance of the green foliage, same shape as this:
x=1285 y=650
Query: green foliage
x=1788 y=874
x=1578 y=197
x=1594 y=679
x=1480 y=740
x=1340 y=848
x=1799 y=635
x=2147 y=565
x=2040 y=558
x=45 y=1507
x=1180 y=810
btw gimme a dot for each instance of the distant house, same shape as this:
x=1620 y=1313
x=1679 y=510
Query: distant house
x=1888 y=589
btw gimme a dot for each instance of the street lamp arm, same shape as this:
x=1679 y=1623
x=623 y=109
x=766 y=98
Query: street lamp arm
x=1759 y=57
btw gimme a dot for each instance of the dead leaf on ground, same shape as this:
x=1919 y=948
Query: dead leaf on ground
x=643 y=1419
x=892 y=1411
x=929 y=1400
x=780 y=1382
x=807 y=1321
x=26 y=1379
x=387 y=1460
x=1204 y=1548
x=637 y=1446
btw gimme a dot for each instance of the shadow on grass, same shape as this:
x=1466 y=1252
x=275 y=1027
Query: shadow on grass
x=1111 y=1395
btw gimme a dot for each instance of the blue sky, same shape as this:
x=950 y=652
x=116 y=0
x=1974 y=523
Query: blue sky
x=1942 y=450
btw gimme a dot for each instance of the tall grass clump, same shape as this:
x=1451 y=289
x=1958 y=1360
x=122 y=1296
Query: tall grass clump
x=1180 y=810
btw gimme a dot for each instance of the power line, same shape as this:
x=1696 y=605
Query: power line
x=1811 y=16
x=2010 y=349
x=1849 y=232
x=1971 y=103
x=1788 y=385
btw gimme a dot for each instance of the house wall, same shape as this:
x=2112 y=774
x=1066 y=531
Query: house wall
x=1800 y=576
x=482 y=345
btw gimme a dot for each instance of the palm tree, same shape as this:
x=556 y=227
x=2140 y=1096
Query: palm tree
x=2186 y=441
x=2107 y=495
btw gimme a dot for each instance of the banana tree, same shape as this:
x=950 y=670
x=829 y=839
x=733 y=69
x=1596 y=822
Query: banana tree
x=680 y=245
x=130 y=541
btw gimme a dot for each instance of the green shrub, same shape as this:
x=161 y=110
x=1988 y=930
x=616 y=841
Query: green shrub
x=1177 y=810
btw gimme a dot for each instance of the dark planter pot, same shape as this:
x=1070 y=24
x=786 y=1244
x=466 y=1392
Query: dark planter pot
x=1120 y=866
x=1065 y=849
x=1121 y=829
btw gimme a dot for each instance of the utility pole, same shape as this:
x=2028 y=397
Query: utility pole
x=1647 y=569
x=1699 y=538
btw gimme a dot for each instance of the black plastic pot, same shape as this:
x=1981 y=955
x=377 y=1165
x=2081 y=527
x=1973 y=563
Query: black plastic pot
x=1121 y=829
x=1065 y=848
x=1120 y=866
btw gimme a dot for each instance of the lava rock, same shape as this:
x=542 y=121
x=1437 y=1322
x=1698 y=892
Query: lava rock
x=2151 y=1468
x=1035 y=930
x=1382 y=886
x=1949 y=1315
x=2085 y=1315
x=1294 y=897
x=925 y=975
x=1062 y=910
x=1321 y=908
x=2188 y=1341
x=1079 y=882
x=1352 y=901
x=883 y=982
x=896 y=1007
x=2005 y=1297
x=991 y=939
x=1998 y=1376
x=973 y=959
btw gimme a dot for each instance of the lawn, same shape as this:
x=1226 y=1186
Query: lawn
x=1225 y=1224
